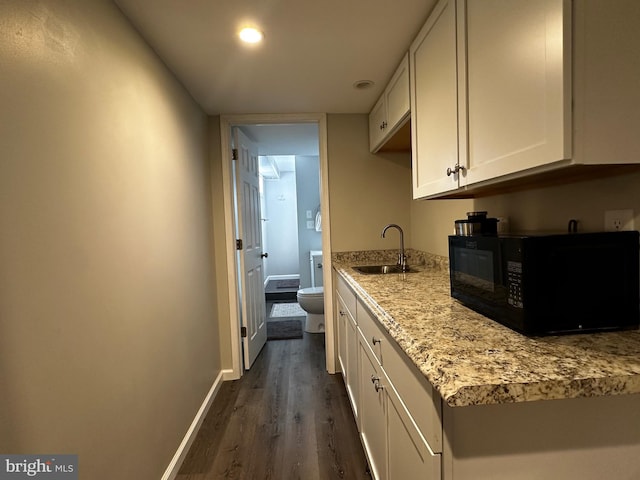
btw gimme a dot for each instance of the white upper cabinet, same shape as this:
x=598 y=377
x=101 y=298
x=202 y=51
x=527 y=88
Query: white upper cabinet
x=391 y=111
x=397 y=95
x=434 y=103
x=490 y=90
x=503 y=90
x=377 y=121
x=517 y=90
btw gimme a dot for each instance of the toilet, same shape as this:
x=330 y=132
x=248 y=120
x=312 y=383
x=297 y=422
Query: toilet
x=311 y=299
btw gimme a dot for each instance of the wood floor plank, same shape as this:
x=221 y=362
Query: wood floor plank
x=285 y=419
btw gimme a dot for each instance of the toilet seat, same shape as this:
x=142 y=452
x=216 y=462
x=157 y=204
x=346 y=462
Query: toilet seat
x=311 y=292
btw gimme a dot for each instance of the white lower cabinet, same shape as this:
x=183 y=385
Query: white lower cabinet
x=347 y=341
x=342 y=335
x=409 y=455
x=391 y=421
x=372 y=412
x=569 y=439
x=408 y=434
x=352 y=366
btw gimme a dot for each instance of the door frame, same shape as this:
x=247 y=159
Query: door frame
x=227 y=122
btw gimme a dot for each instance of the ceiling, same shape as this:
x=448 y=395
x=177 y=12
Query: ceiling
x=312 y=54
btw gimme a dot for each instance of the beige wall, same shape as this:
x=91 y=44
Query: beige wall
x=538 y=209
x=108 y=328
x=432 y=222
x=366 y=191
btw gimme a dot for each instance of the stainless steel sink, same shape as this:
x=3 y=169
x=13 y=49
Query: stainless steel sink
x=381 y=269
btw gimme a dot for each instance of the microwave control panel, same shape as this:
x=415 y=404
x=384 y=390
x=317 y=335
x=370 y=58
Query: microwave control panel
x=514 y=284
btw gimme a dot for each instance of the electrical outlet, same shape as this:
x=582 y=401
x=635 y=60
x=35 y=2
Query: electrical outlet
x=616 y=220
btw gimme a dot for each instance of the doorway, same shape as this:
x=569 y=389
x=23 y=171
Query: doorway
x=249 y=122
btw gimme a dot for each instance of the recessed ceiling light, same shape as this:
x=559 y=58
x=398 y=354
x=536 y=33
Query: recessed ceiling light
x=251 y=35
x=363 y=84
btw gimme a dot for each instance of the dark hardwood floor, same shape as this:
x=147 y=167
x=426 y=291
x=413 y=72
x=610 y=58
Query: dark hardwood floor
x=285 y=419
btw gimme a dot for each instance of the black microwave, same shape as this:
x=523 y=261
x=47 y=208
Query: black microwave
x=546 y=284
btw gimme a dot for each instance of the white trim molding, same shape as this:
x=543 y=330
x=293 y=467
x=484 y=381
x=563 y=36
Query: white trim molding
x=226 y=123
x=290 y=276
x=176 y=462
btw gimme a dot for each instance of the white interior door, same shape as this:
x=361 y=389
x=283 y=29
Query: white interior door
x=250 y=278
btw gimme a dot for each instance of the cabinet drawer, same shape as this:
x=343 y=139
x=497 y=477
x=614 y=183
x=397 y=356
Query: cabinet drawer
x=409 y=456
x=347 y=295
x=421 y=401
x=371 y=331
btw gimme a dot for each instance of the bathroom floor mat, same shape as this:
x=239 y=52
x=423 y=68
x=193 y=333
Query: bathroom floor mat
x=284 y=330
x=292 y=309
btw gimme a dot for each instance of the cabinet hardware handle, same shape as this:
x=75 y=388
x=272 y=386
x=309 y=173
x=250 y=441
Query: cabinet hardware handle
x=342 y=314
x=264 y=255
x=376 y=383
x=454 y=170
x=375 y=340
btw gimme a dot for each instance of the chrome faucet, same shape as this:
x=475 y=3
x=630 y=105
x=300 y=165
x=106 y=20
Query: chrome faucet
x=402 y=258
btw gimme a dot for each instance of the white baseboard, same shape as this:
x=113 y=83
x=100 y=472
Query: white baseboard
x=176 y=462
x=290 y=276
x=230 y=374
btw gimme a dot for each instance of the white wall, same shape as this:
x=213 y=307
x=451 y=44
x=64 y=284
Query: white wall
x=282 y=225
x=108 y=324
x=308 y=193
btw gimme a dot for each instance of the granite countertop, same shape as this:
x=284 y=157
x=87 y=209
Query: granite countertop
x=472 y=360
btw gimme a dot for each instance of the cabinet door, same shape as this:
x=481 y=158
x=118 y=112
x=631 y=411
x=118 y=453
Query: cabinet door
x=372 y=412
x=352 y=366
x=342 y=336
x=517 y=85
x=434 y=103
x=409 y=454
x=397 y=96
x=377 y=124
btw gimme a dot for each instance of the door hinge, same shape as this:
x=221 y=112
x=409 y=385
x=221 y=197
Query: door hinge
x=239 y=244
x=243 y=332
x=234 y=154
